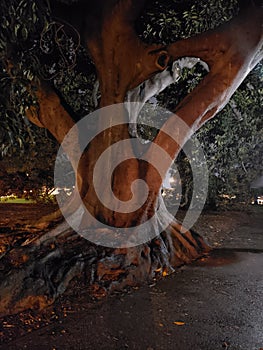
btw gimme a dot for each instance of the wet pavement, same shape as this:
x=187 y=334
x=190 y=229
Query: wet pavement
x=201 y=307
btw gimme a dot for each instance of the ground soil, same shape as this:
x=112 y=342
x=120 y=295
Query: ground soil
x=192 y=309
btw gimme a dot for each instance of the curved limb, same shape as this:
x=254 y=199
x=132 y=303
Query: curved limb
x=231 y=52
x=153 y=86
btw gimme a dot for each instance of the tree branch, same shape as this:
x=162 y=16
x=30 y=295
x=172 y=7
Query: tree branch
x=130 y=9
x=212 y=44
x=53 y=116
x=230 y=51
x=50 y=113
x=122 y=60
x=153 y=86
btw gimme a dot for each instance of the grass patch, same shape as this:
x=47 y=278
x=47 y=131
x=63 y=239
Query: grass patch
x=17 y=201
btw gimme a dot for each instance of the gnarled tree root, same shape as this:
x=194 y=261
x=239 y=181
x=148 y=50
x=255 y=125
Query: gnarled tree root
x=35 y=274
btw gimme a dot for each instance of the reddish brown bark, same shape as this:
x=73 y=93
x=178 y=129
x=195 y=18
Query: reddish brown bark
x=51 y=114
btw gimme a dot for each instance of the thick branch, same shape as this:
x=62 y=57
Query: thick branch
x=130 y=9
x=230 y=51
x=87 y=15
x=122 y=60
x=245 y=39
x=53 y=116
x=153 y=86
x=50 y=114
x=211 y=45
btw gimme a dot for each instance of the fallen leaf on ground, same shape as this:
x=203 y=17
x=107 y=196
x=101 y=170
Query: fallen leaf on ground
x=179 y=323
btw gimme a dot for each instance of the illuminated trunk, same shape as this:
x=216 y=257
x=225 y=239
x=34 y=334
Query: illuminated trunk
x=37 y=273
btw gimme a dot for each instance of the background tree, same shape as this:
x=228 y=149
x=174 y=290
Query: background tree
x=234 y=148
x=232 y=142
x=43 y=62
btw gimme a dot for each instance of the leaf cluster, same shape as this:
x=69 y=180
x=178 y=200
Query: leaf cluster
x=171 y=20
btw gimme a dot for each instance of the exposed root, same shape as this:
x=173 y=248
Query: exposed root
x=48 y=220
x=35 y=274
x=52 y=219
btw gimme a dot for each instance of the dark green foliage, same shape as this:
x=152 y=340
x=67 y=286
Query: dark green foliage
x=32 y=45
x=27 y=168
x=168 y=21
x=233 y=141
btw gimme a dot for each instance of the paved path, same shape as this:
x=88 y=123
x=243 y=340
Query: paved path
x=220 y=307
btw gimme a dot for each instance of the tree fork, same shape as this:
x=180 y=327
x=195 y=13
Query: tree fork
x=117 y=69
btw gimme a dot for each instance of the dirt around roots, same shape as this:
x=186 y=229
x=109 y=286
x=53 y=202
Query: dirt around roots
x=213 y=304
x=15 y=215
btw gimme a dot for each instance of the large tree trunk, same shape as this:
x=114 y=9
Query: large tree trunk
x=36 y=273
x=41 y=269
